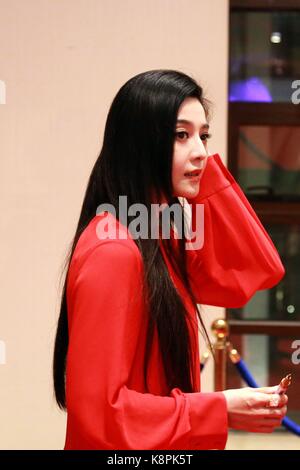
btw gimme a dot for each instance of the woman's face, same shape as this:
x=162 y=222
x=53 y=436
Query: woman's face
x=190 y=148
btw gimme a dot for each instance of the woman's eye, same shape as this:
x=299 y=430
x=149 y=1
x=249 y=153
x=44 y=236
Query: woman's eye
x=180 y=134
x=205 y=137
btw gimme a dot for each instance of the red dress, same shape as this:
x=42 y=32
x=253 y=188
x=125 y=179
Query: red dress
x=107 y=404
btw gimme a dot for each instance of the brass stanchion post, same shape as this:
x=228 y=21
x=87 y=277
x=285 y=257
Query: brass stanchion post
x=220 y=329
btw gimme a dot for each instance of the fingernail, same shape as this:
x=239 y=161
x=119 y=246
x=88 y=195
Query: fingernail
x=274 y=401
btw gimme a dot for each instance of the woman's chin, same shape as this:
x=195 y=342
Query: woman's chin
x=189 y=192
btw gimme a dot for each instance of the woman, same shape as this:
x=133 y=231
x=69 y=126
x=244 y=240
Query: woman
x=127 y=338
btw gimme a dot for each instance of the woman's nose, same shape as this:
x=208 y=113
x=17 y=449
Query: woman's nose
x=200 y=150
x=202 y=157
x=200 y=162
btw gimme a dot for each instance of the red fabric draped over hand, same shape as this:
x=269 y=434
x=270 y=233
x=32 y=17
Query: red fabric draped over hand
x=238 y=257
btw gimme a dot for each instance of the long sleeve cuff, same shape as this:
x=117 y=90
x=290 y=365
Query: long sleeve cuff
x=238 y=256
x=209 y=421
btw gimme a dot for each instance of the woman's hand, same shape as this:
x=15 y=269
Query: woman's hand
x=255 y=409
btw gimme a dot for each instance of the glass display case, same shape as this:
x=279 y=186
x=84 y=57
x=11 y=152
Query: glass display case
x=264 y=55
x=264 y=157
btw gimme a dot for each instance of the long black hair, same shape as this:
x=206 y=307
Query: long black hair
x=136 y=161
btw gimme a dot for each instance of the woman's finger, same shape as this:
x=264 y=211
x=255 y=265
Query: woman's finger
x=275 y=413
x=276 y=401
x=266 y=389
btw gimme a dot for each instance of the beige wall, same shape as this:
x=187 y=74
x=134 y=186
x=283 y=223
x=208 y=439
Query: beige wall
x=62 y=62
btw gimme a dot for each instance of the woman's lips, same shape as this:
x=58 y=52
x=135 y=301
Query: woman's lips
x=194 y=177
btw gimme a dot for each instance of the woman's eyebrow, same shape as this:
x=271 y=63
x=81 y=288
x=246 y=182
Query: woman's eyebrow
x=185 y=121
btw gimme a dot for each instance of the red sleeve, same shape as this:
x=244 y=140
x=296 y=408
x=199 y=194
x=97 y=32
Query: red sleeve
x=104 y=325
x=237 y=257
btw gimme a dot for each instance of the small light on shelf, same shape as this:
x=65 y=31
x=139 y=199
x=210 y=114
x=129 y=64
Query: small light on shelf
x=275 y=37
x=290 y=308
